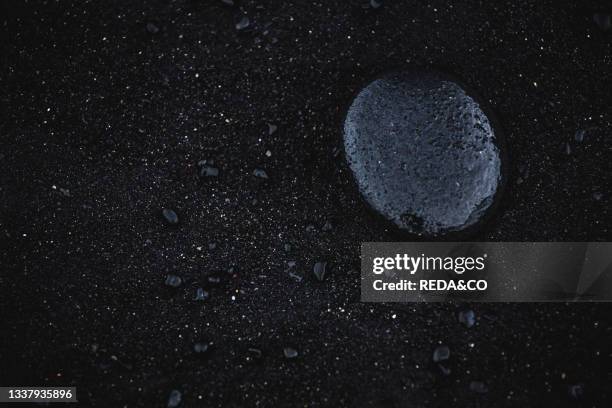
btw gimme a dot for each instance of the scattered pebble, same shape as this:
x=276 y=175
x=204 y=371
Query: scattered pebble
x=200 y=348
x=320 y=270
x=568 y=149
x=170 y=216
x=287 y=247
x=174 y=281
x=597 y=196
x=295 y=276
x=209 y=171
x=467 y=318
x=260 y=173
x=174 y=399
x=375 y=4
x=255 y=353
x=603 y=21
x=444 y=370
x=327 y=226
x=214 y=279
x=152 y=28
x=579 y=136
x=576 y=391
x=228 y=2
x=201 y=294
x=478 y=387
x=290 y=352
x=490 y=317
x=441 y=353
x=272 y=129
x=243 y=24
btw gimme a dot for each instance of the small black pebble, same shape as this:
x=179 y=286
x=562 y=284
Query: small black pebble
x=170 y=216
x=603 y=21
x=260 y=173
x=444 y=370
x=576 y=391
x=290 y=352
x=467 y=318
x=209 y=171
x=478 y=387
x=295 y=276
x=271 y=129
x=375 y=4
x=174 y=400
x=174 y=281
x=320 y=270
x=152 y=28
x=214 y=279
x=243 y=24
x=200 y=348
x=441 y=353
x=201 y=294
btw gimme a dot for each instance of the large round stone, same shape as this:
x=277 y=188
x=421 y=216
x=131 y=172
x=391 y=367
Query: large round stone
x=423 y=152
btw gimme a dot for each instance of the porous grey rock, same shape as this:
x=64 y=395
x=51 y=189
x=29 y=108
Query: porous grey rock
x=423 y=152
